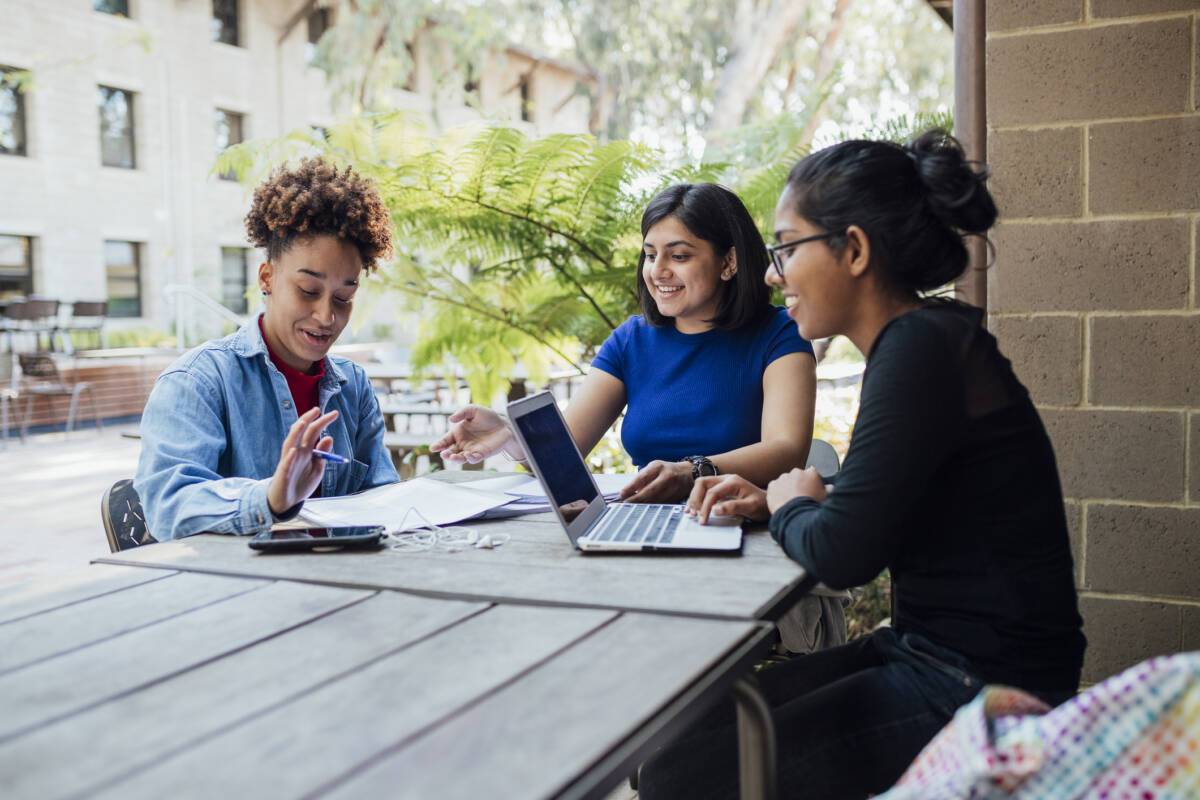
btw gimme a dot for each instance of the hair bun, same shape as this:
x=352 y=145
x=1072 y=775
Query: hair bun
x=954 y=189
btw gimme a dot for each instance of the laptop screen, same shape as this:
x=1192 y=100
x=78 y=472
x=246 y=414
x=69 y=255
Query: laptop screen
x=552 y=448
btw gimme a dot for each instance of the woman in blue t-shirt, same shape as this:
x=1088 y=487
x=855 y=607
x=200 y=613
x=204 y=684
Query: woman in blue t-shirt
x=713 y=379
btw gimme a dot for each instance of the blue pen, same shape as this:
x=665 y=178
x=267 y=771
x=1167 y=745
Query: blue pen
x=331 y=457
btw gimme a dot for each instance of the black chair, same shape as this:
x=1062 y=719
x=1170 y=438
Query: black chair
x=123 y=518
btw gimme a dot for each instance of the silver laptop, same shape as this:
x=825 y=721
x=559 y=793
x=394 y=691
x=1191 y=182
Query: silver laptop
x=590 y=523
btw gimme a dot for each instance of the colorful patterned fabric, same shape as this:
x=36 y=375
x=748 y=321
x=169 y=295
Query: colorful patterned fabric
x=1136 y=736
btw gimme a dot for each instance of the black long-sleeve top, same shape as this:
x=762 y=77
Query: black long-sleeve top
x=950 y=481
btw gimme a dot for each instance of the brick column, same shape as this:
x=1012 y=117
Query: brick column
x=1094 y=142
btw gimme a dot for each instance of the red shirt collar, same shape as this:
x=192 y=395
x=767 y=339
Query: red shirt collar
x=288 y=371
x=303 y=387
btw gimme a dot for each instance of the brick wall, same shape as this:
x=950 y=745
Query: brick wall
x=1094 y=139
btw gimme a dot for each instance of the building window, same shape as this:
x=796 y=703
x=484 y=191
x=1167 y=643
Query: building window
x=526 y=103
x=233 y=279
x=225 y=22
x=123 y=277
x=318 y=23
x=471 y=83
x=12 y=115
x=229 y=132
x=118 y=7
x=16 y=266
x=410 y=80
x=116 y=127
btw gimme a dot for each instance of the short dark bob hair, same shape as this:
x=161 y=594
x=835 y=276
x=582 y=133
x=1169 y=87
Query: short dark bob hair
x=717 y=216
x=915 y=202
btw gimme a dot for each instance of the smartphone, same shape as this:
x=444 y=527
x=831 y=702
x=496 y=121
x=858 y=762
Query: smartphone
x=319 y=540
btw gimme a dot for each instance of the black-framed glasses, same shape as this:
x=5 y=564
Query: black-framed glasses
x=782 y=251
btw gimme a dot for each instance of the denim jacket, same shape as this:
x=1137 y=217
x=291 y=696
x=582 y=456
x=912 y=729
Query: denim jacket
x=213 y=428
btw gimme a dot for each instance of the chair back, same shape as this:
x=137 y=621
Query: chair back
x=17 y=309
x=41 y=308
x=123 y=518
x=39 y=367
x=89 y=308
x=822 y=456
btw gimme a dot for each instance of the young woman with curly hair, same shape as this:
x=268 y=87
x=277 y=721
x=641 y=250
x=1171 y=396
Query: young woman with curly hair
x=229 y=430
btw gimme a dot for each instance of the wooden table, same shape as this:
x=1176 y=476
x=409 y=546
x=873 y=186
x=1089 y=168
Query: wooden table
x=537 y=566
x=135 y=683
x=200 y=668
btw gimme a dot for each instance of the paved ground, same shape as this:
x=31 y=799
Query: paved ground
x=50 y=500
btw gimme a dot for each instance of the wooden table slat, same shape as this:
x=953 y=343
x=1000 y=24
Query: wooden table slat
x=116 y=738
x=69 y=683
x=36 y=596
x=317 y=737
x=613 y=681
x=35 y=638
x=548 y=571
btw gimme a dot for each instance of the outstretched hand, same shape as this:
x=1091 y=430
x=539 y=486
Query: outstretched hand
x=659 y=482
x=299 y=471
x=476 y=433
x=726 y=496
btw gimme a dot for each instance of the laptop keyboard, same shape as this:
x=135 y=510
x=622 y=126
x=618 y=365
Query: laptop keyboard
x=637 y=523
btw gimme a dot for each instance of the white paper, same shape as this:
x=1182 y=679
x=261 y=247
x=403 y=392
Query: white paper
x=396 y=505
x=503 y=483
x=528 y=489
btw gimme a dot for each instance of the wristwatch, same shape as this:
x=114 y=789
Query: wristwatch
x=701 y=466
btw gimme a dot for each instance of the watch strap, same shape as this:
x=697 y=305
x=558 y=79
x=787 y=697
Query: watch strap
x=702 y=466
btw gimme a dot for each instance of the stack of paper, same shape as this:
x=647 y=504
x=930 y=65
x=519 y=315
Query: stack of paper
x=401 y=506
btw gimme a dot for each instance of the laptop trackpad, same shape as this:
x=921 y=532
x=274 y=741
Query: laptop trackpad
x=721 y=533
x=715 y=520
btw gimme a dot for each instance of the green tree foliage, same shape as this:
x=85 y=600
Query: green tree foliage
x=517 y=248
x=373 y=45
x=510 y=247
x=671 y=72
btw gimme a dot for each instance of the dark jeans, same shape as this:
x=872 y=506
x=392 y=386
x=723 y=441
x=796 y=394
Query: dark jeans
x=848 y=721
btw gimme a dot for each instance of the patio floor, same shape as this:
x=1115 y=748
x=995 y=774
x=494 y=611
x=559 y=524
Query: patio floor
x=50 y=503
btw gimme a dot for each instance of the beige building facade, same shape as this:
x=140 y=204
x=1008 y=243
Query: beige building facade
x=1094 y=142
x=106 y=183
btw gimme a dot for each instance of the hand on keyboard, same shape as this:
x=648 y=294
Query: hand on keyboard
x=726 y=496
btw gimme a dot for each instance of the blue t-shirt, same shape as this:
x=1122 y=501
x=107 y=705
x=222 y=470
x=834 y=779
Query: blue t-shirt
x=694 y=394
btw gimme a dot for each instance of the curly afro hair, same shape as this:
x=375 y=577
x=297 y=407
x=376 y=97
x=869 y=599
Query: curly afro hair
x=314 y=199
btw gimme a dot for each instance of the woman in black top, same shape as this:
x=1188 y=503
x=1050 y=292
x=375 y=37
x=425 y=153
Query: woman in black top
x=950 y=482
